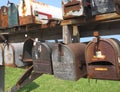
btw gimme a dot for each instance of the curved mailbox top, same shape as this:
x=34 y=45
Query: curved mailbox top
x=109 y=50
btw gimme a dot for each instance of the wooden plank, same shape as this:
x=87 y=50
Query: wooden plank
x=98 y=18
x=76 y=35
x=66 y=35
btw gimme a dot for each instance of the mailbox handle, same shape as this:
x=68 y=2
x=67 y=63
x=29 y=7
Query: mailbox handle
x=60 y=49
x=60 y=52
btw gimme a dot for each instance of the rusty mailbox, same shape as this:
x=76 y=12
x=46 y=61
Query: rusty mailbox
x=4 y=17
x=69 y=61
x=41 y=54
x=103 y=59
x=13 y=18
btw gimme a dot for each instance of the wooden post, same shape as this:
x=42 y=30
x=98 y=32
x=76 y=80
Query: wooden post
x=76 y=35
x=2 y=75
x=66 y=35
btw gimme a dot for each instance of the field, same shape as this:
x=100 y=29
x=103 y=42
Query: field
x=48 y=83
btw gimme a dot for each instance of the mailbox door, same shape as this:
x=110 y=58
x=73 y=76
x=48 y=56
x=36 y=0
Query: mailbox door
x=64 y=66
x=42 y=58
x=9 y=56
x=69 y=61
x=4 y=17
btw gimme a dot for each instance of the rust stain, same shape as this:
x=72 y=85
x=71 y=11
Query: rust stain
x=24 y=8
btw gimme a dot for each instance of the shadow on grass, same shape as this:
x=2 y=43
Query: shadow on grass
x=30 y=87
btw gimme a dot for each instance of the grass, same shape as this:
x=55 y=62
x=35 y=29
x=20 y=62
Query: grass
x=48 y=83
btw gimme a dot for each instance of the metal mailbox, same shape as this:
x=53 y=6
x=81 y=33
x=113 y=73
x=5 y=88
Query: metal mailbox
x=13 y=55
x=4 y=17
x=31 y=11
x=69 y=61
x=41 y=54
x=27 y=50
x=102 y=6
x=1 y=54
x=13 y=18
x=103 y=59
x=73 y=8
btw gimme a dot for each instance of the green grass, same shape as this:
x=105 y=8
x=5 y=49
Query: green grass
x=48 y=83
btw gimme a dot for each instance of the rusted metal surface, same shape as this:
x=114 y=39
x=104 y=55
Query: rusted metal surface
x=4 y=17
x=72 y=8
x=25 y=79
x=69 y=61
x=27 y=50
x=102 y=59
x=26 y=20
x=2 y=78
x=102 y=6
x=13 y=17
x=38 y=12
x=1 y=54
x=13 y=53
x=41 y=55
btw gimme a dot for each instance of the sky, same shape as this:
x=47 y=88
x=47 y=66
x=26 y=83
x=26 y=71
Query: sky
x=56 y=3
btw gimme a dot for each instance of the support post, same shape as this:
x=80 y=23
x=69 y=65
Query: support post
x=66 y=35
x=2 y=78
x=76 y=35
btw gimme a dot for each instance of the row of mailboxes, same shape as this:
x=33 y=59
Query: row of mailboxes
x=99 y=59
x=64 y=61
x=77 y=8
x=103 y=59
x=16 y=54
x=9 y=16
